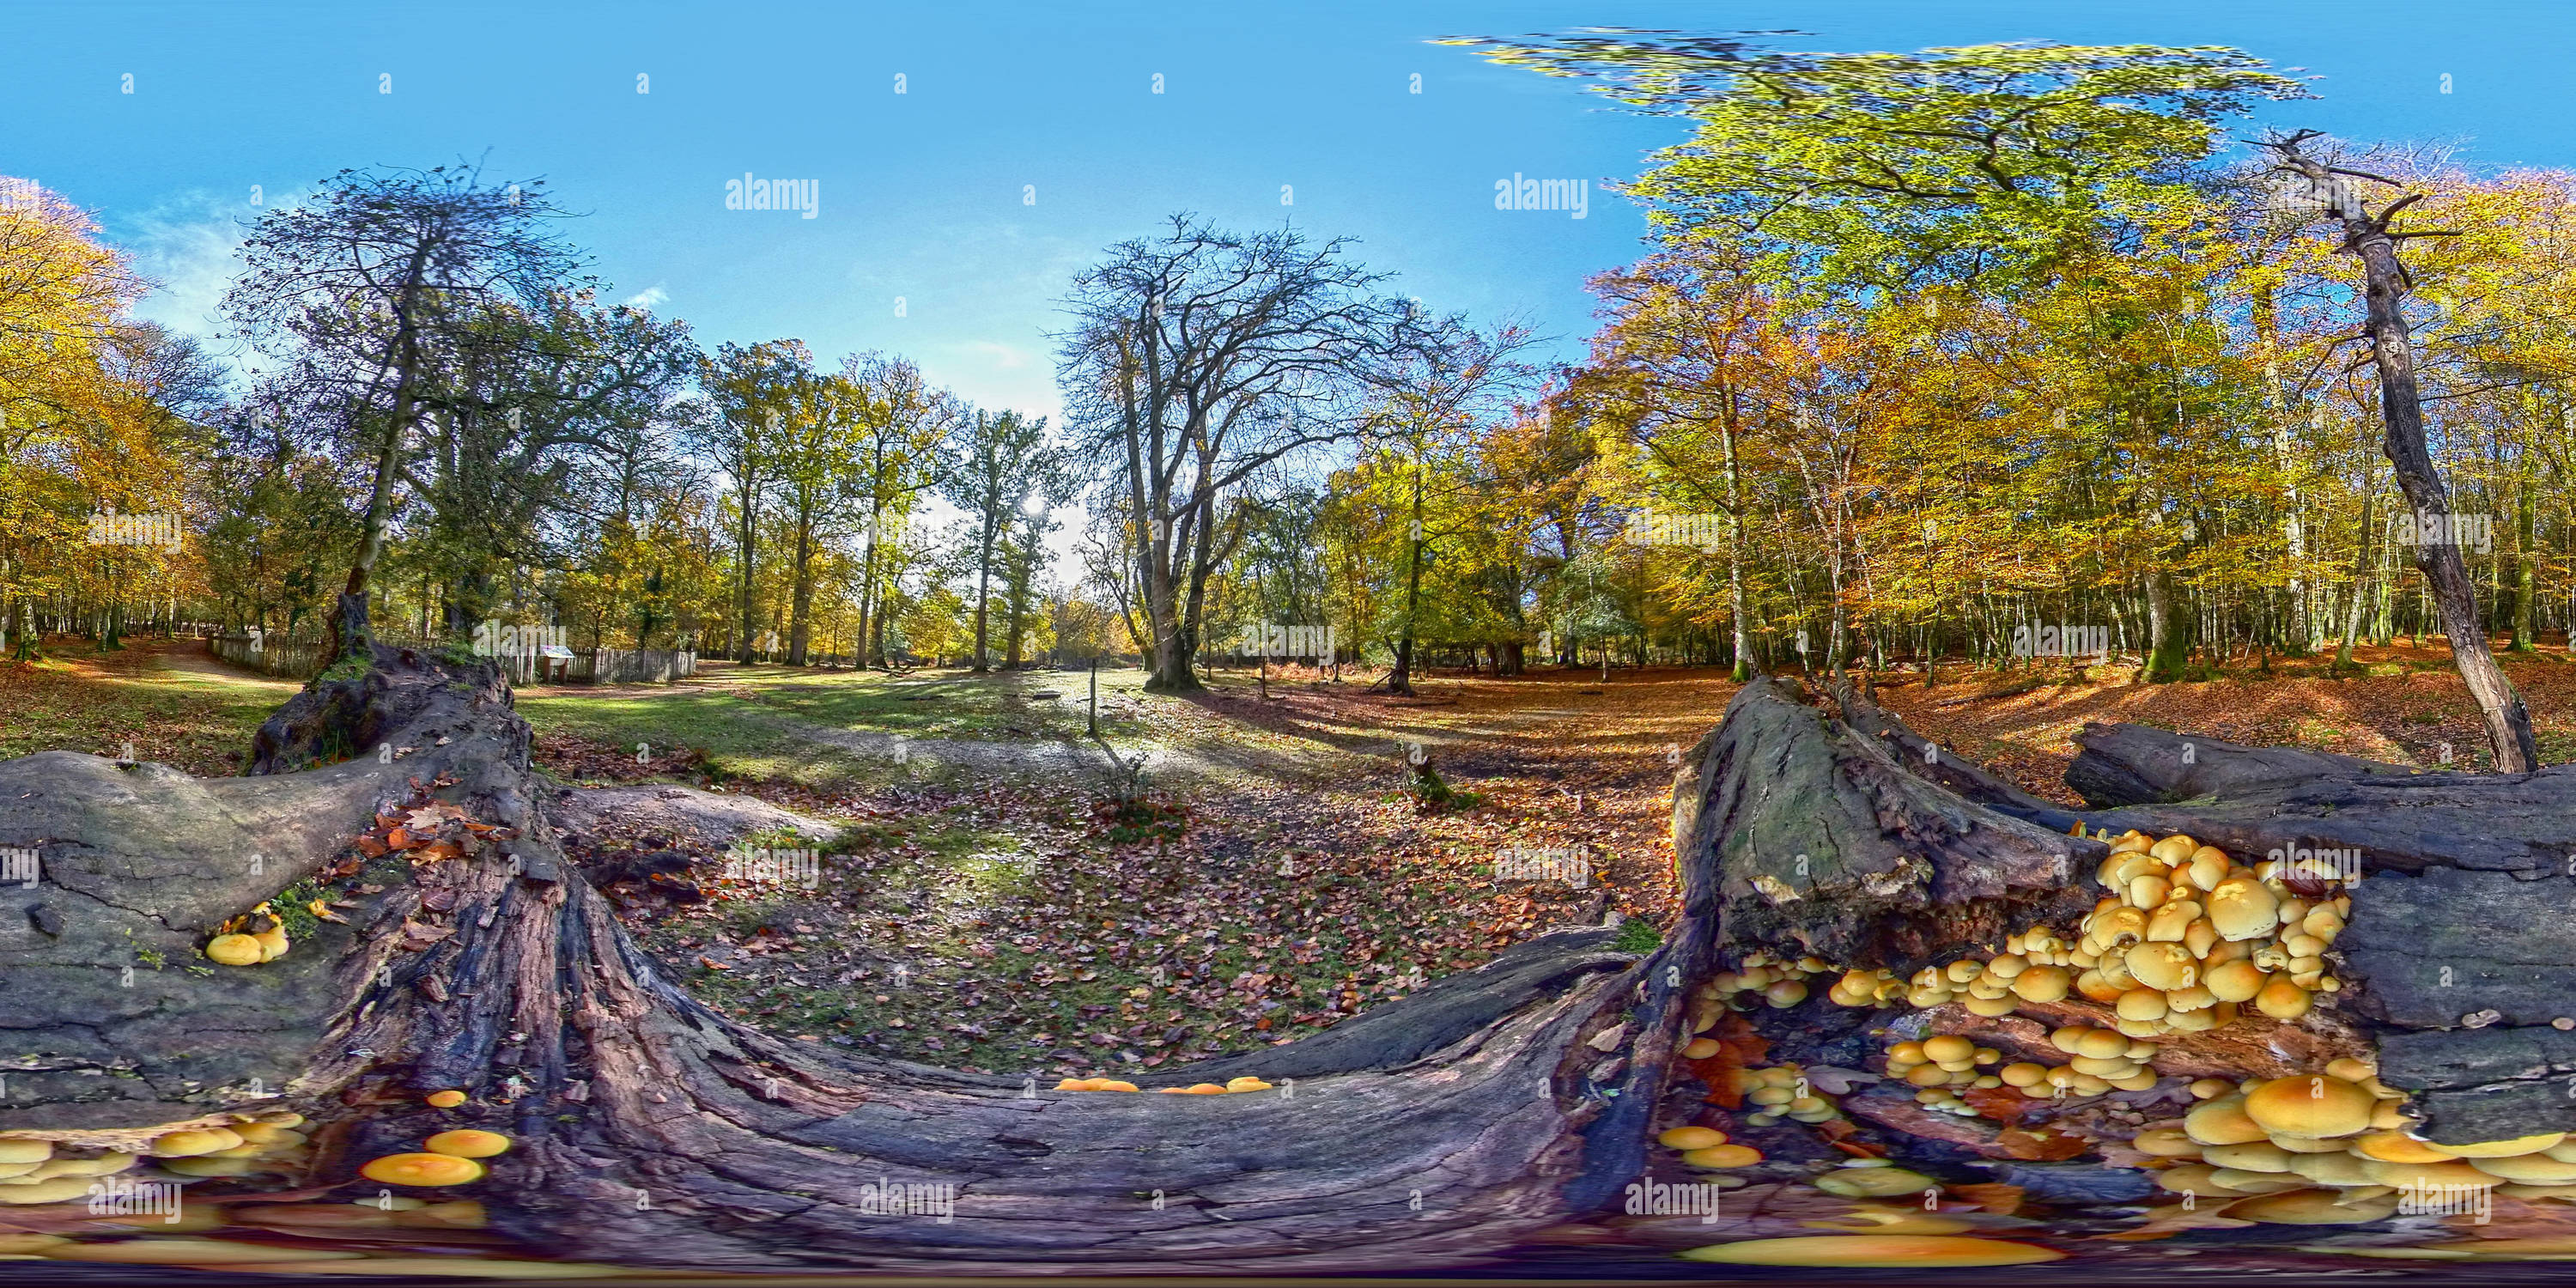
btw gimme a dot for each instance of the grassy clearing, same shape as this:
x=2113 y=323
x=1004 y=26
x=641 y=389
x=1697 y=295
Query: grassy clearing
x=174 y=704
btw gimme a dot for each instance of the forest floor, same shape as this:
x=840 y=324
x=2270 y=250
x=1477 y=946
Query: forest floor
x=979 y=900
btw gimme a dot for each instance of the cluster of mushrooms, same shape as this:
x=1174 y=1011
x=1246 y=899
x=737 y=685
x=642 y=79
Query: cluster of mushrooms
x=248 y=940
x=35 y=1169
x=1197 y=1089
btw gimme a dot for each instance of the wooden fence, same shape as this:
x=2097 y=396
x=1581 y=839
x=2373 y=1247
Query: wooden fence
x=299 y=659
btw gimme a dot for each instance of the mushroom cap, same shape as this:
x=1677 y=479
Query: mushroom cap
x=1889 y=1251
x=2313 y=1207
x=2425 y=1175
x=2042 y=984
x=2163 y=966
x=2243 y=909
x=2234 y=981
x=1722 y=1156
x=2315 y=1105
x=2282 y=1000
x=2165 y=1142
x=2250 y=1156
x=2240 y=1181
x=272 y=943
x=2509 y=1148
x=422 y=1169
x=2142 y=1004
x=1701 y=1049
x=55 y=1190
x=2101 y=1044
x=2174 y=849
x=1110 y=1084
x=446 y=1099
x=234 y=950
x=2529 y=1169
x=191 y=1142
x=1246 y=1083
x=467 y=1145
x=2222 y=1122
x=2398 y=1147
x=1948 y=1046
x=1691 y=1138
x=2332 y=1169
x=25 y=1151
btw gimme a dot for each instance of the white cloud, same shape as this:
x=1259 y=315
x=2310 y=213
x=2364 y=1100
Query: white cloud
x=190 y=250
x=1002 y=355
x=650 y=297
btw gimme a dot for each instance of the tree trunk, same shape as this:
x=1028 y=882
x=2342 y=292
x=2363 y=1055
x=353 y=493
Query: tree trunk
x=1434 y=1131
x=649 y=1129
x=2392 y=351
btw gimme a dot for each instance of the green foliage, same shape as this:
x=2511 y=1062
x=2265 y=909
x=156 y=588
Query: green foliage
x=1638 y=935
x=1897 y=171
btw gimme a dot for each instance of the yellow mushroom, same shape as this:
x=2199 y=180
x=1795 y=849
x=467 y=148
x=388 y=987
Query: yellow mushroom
x=2234 y=981
x=2316 y=1106
x=1687 y=1138
x=2222 y=1122
x=2241 y=909
x=422 y=1169
x=2282 y=1000
x=192 y=1142
x=451 y=1099
x=2249 y=1156
x=234 y=950
x=25 y=1151
x=1722 y=1156
x=2509 y=1148
x=2398 y=1147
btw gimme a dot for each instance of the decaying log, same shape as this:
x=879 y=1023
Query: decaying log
x=650 y=1129
x=1822 y=842
x=2461 y=949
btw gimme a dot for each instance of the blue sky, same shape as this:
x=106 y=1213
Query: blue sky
x=923 y=195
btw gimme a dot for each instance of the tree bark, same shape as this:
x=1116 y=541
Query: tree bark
x=649 y=1129
x=2392 y=351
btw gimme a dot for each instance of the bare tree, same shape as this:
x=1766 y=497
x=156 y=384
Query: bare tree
x=368 y=288
x=1197 y=358
x=2385 y=282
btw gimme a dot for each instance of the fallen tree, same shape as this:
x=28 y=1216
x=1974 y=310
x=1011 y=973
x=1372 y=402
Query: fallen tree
x=650 y=1129
x=1440 y=1129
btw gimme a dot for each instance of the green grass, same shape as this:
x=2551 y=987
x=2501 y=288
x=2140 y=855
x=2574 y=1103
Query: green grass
x=74 y=701
x=746 y=718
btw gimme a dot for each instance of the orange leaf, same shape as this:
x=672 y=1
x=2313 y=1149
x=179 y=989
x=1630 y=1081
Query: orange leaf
x=371 y=847
x=398 y=839
x=2041 y=1146
x=2000 y=1199
x=2005 y=1105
